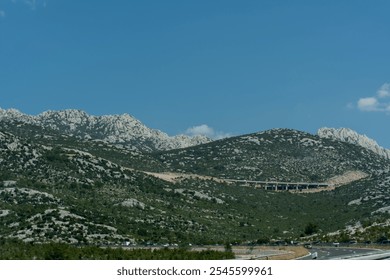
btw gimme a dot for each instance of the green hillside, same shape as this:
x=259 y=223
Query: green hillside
x=59 y=188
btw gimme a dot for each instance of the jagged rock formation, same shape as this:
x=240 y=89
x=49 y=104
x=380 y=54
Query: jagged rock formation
x=115 y=129
x=351 y=136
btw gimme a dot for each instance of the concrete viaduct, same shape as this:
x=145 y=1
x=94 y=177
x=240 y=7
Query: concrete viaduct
x=281 y=186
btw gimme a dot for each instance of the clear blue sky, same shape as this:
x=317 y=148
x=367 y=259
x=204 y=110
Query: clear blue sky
x=236 y=66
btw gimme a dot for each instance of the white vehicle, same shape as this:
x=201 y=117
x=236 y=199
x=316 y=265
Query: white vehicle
x=314 y=255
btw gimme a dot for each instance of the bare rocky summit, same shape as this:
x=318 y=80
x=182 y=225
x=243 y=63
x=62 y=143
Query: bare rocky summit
x=351 y=136
x=115 y=129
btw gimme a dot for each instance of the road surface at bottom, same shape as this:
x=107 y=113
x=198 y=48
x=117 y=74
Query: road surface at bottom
x=340 y=253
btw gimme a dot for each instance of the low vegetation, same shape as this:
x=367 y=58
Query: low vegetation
x=17 y=250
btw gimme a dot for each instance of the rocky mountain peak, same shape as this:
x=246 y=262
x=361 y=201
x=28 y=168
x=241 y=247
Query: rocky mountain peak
x=351 y=136
x=66 y=114
x=10 y=113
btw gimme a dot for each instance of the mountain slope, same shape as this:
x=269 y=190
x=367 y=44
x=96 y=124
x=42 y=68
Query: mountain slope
x=51 y=193
x=294 y=156
x=274 y=155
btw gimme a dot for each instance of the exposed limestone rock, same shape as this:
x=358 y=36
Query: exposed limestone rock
x=115 y=129
x=351 y=136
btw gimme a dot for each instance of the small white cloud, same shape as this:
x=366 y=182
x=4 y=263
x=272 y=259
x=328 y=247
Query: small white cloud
x=203 y=129
x=376 y=103
x=384 y=91
x=2 y=14
x=368 y=104
x=207 y=131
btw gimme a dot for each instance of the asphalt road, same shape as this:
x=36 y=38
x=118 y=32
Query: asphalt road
x=331 y=253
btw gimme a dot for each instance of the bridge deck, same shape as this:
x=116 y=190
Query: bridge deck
x=277 y=185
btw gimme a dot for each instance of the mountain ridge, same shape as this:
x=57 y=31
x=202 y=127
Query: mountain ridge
x=125 y=129
x=350 y=136
x=116 y=129
x=275 y=155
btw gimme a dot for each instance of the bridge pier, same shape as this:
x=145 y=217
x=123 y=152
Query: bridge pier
x=280 y=186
